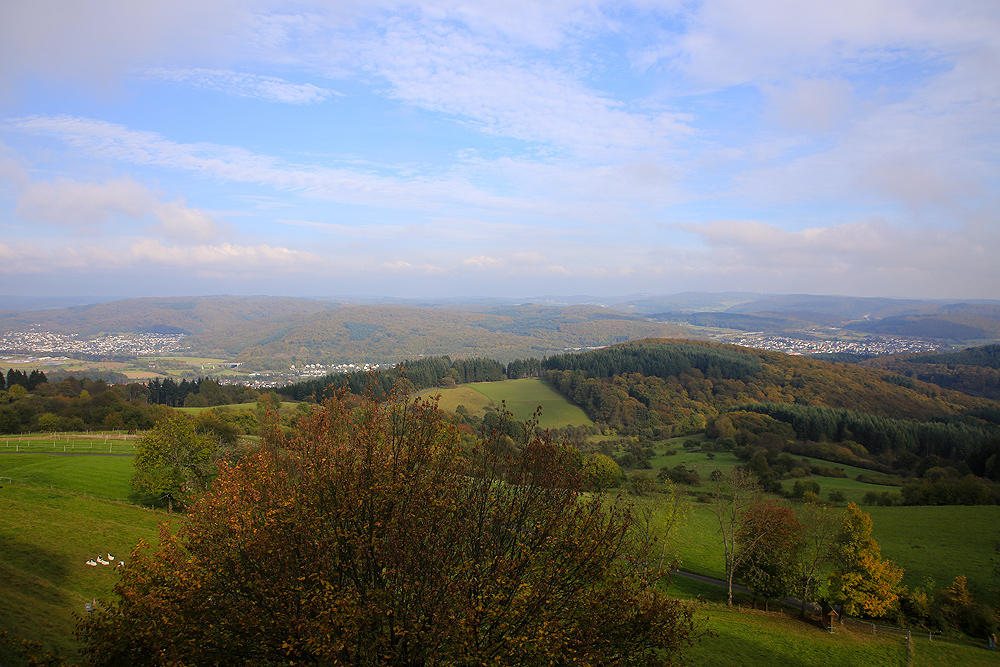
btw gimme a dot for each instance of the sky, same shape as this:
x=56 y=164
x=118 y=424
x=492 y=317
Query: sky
x=517 y=148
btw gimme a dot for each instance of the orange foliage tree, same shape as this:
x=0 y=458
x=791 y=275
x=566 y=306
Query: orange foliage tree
x=370 y=537
x=862 y=580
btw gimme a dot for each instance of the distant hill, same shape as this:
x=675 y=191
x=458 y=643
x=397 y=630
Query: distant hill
x=974 y=371
x=273 y=332
x=381 y=334
x=188 y=315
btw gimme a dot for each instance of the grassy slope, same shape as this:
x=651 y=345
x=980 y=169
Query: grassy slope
x=101 y=476
x=937 y=542
x=853 y=490
x=522 y=397
x=46 y=537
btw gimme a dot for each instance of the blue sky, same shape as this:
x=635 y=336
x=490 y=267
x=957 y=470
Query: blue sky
x=500 y=149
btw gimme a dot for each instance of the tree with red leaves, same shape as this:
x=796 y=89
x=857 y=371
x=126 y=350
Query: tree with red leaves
x=370 y=537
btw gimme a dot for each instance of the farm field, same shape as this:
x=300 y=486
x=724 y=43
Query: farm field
x=853 y=490
x=46 y=537
x=937 y=542
x=105 y=477
x=47 y=534
x=522 y=397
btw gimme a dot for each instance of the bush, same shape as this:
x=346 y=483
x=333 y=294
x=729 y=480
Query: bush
x=837 y=496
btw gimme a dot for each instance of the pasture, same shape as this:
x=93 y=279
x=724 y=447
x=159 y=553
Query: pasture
x=521 y=397
x=936 y=542
x=46 y=537
x=62 y=511
x=700 y=461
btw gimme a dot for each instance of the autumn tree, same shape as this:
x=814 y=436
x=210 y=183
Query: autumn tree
x=173 y=459
x=768 y=544
x=735 y=492
x=862 y=580
x=369 y=536
x=820 y=526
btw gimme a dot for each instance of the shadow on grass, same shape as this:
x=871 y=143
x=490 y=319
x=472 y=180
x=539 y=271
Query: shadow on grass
x=29 y=557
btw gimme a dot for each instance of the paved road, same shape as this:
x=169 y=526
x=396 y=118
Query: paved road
x=793 y=602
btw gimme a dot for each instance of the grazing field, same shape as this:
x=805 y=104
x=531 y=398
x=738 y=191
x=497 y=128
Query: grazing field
x=700 y=461
x=941 y=543
x=46 y=537
x=232 y=406
x=104 y=477
x=937 y=542
x=449 y=399
x=94 y=442
x=521 y=397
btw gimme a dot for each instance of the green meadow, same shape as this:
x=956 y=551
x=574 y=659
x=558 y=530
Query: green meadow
x=46 y=538
x=63 y=509
x=521 y=398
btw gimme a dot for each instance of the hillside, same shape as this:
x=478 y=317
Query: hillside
x=187 y=315
x=671 y=387
x=390 y=333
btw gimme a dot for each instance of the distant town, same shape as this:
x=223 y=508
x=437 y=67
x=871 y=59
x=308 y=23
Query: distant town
x=54 y=349
x=110 y=345
x=870 y=345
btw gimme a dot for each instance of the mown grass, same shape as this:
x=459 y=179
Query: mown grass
x=522 y=398
x=853 y=490
x=46 y=537
x=941 y=543
x=104 y=477
x=449 y=399
x=937 y=542
x=232 y=406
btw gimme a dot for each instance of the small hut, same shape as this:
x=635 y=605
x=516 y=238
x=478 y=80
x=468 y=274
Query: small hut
x=828 y=616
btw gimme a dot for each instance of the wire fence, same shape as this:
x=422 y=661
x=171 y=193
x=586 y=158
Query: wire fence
x=908 y=634
x=57 y=442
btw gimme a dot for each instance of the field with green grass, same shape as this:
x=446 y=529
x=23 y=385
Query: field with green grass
x=65 y=513
x=706 y=462
x=747 y=637
x=521 y=397
x=937 y=542
x=46 y=538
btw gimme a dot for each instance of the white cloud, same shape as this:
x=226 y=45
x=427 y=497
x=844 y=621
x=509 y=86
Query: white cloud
x=182 y=224
x=89 y=206
x=77 y=41
x=65 y=201
x=864 y=258
x=241 y=258
x=811 y=104
x=111 y=141
x=403 y=266
x=243 y=84
x=447 y=69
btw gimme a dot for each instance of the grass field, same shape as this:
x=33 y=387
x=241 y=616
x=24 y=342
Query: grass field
x=66 y=514
x=746 y=637
x=853 y=490
x=937 y=542
x=95 y=442
x=521 y=397
x=46 y=537
x=232 y=406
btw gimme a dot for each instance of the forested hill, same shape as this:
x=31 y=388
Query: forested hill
x=975 y=370
x=681 y=384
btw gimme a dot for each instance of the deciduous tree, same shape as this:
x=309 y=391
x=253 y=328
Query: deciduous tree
x=173 y=459
x=735 y=491
x=862 y=580
x=370 y=537
x=768 y=543
x=820 y=527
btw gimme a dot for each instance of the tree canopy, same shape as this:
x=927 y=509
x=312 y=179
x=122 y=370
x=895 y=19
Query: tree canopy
x=173 y=459
x=369 y=536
